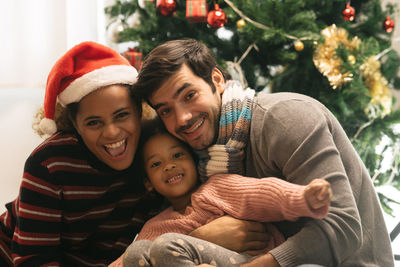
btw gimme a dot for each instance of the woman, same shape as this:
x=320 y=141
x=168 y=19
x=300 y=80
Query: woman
x=79 y=203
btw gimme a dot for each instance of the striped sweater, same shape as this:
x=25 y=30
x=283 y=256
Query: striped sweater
x=72 y=210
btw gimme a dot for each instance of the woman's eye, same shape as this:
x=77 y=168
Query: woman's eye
x=93 y=123
x=164 y=112
x=122 y=115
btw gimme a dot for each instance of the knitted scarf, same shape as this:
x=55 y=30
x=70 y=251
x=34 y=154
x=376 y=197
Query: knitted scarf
x=227 y=154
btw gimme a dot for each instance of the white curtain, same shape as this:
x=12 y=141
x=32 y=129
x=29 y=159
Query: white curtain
x=34 y=34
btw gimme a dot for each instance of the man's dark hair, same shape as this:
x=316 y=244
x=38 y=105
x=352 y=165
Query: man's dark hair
x=166 y=59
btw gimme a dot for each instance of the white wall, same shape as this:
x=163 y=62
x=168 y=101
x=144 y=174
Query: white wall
x=18 y=140
x=34 y=34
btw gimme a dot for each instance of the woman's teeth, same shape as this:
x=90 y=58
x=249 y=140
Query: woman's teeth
x=116 y=149
x=115 y=145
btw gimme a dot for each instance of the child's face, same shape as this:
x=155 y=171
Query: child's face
x=169 y=166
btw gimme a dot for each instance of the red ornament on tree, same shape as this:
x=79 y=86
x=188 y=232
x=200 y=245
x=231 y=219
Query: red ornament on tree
x=166 y=7
x=349 y=12
x=388 y=24
x=216 y=18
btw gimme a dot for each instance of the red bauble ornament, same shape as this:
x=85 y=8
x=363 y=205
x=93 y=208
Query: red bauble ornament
x=348 y=13
x=216 y=18
x=388 y=24
x=166 y=7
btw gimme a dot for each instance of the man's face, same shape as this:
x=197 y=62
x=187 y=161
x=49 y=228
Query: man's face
x=189 y=108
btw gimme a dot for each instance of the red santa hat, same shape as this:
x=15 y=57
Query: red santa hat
x=84 y=68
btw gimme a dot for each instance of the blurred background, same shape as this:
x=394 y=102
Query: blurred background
x=343 y=53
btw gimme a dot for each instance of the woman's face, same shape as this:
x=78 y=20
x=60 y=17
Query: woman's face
x=109 y=124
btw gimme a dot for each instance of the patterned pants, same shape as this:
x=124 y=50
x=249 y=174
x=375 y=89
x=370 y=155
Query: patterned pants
x=180 y=250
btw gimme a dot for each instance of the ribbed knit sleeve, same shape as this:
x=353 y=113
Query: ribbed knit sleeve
x=264 y=200
x=170 y=221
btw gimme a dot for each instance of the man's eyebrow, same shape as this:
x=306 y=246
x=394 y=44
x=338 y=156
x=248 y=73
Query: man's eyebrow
x=179 y=91
x=176 y=94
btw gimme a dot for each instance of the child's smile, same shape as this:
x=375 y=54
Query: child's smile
x=170 y=168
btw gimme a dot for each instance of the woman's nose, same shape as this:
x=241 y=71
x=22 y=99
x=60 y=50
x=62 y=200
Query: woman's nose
x=111 y=130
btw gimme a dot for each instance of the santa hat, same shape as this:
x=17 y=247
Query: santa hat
x=83 y=69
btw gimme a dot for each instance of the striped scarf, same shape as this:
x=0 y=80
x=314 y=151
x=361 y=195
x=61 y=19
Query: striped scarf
x=227 y=154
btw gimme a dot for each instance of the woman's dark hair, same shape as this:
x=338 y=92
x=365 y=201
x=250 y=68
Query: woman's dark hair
x=166 y=59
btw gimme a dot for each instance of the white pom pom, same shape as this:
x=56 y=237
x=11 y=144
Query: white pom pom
x=48 y=126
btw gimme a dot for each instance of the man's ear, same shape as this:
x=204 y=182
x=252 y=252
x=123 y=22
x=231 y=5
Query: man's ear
x=218 y=80
x=149 y=186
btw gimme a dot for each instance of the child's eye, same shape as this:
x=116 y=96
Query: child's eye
x=178 y=155
x=155 y=164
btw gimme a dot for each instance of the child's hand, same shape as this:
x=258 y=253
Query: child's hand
x=318 y=193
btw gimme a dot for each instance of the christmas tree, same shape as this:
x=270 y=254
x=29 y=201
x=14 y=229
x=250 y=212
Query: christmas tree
x=335 y=51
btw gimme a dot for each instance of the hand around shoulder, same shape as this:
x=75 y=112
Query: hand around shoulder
x=234 y=234
x=318 y=193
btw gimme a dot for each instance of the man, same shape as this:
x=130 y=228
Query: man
x=284 y=135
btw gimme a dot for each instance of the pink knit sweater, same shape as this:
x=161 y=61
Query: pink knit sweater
x=262 y=200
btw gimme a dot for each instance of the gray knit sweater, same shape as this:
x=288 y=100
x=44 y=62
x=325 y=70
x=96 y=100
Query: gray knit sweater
x=295 y=137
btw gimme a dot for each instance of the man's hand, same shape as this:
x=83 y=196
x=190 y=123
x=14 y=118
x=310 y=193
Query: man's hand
x=266 y=260
x=237 y=235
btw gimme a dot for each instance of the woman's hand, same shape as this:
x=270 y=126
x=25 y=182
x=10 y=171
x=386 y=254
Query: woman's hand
x=237 y=235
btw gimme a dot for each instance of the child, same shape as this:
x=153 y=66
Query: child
x=170 y=170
